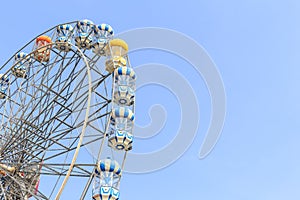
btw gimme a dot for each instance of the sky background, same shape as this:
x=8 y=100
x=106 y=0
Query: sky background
x=255 y=45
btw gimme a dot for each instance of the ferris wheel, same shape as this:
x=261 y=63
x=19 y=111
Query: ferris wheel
x=69 y=88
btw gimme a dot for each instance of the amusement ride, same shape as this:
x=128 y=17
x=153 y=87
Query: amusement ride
x=69 y=88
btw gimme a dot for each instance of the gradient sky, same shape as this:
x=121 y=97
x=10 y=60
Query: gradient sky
x=255 y=45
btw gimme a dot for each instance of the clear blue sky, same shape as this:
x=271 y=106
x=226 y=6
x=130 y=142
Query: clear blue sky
x=256 y=46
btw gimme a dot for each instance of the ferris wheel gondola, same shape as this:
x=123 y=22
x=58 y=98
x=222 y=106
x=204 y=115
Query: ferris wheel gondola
x=83 y=36
x=102 y=34
x=22 y=61
x=63 y=38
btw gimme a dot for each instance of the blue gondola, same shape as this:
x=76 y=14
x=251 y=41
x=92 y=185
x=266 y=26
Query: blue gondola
x=22 y=62
x=64 y=34
x=121 y=140
x=103 y=33
x=83 y=37
x=124 y=95
x=106 y=181
x=122 y=119
x=125 y=76
x=4 y=81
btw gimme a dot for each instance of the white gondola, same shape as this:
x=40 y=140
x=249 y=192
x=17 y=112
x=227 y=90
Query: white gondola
x=102 y=34
x=63 y=39
x=122 y=119
x=4 y=81
x=124 y=95
x=106 y=181
x=22 y=63
x=121 y=140
x=122 y=122
x=83 y=37
x=125 y=76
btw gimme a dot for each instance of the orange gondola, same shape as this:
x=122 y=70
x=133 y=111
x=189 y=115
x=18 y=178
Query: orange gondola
x=42 y=54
